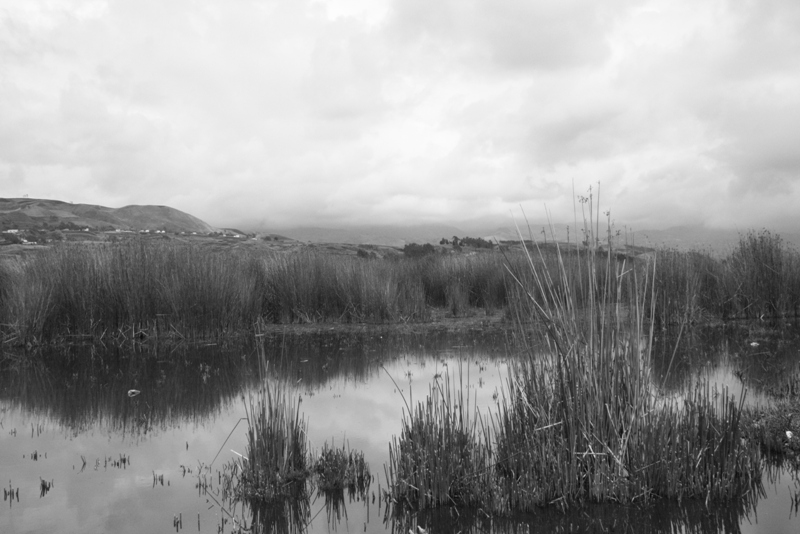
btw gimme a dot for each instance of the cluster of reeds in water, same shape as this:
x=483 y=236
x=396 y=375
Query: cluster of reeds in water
x=439 y=458
x=582 y=421
x=278 y=472
x=276 y=464
x=146 y=288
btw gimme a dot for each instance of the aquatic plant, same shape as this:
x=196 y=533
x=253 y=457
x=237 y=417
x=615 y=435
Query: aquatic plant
x=582 y=422
x=338 y=469
x=275 y=465
x=144 y=289
x=439 y=458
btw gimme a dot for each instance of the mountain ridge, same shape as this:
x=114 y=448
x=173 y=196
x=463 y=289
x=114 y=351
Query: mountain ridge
x=30 y=213
x=33 y=213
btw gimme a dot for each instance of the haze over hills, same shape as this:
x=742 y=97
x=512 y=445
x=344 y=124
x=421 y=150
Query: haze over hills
x=31 y=213
x=394 y=236
x=679 y=237
x=28 y=213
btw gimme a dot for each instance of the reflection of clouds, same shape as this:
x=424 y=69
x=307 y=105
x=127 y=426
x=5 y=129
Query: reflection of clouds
x=356 y=403
x=369 y=415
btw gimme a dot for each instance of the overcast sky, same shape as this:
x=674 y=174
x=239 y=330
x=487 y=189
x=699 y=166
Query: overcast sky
x=288 y=112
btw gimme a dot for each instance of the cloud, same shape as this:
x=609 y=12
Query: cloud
x=507 y=34
x=352 y=111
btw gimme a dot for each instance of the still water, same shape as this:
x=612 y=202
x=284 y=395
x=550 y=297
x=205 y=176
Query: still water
x=81 y=452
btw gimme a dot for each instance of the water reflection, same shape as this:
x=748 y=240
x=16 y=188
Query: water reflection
x=71 y=407
x=762 y=360
x=692 y=516
x=83 y=388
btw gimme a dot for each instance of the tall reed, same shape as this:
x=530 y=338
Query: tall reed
x=582 y=419
x=144 y=288
x=583 y=422
x=439 y=458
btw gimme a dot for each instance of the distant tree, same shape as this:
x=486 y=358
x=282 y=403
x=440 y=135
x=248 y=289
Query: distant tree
x=444 y=242
x=67 y=225
x=14 y=239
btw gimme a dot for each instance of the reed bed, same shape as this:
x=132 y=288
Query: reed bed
x=582 y=421
x=759 y=279
x=144 y=289
x=310 y=287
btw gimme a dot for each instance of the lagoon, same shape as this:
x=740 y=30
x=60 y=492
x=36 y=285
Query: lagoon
x=79 y=454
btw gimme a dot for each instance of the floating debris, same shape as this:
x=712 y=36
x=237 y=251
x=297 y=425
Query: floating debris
x=133 y=392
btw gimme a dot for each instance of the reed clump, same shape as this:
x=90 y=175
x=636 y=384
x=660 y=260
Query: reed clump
x=275 y=466
x=439 y=458
x=582 y=420
x=338 y=469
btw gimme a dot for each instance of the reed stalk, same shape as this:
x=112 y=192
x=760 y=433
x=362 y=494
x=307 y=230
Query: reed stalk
x=583 y=421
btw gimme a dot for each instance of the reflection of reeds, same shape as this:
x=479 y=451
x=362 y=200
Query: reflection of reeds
x=691 y=516
x=182 y=385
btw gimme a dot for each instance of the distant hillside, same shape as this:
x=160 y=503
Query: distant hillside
x=30 y=214
x=394 y=236
x=679 y=237
x=702 y=238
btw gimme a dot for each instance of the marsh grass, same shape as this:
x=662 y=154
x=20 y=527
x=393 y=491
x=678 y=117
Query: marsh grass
x=687 y=288
x=277 y=474
x=759 y=279
x=338 y=469
x=439 y=458
x=143 y=289
x=311 y=287
x=276 y=465
x=767 y=271
x=582 y=420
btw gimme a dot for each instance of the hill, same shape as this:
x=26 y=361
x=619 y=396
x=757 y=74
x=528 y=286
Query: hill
x=393 y=236
x=41 y=214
